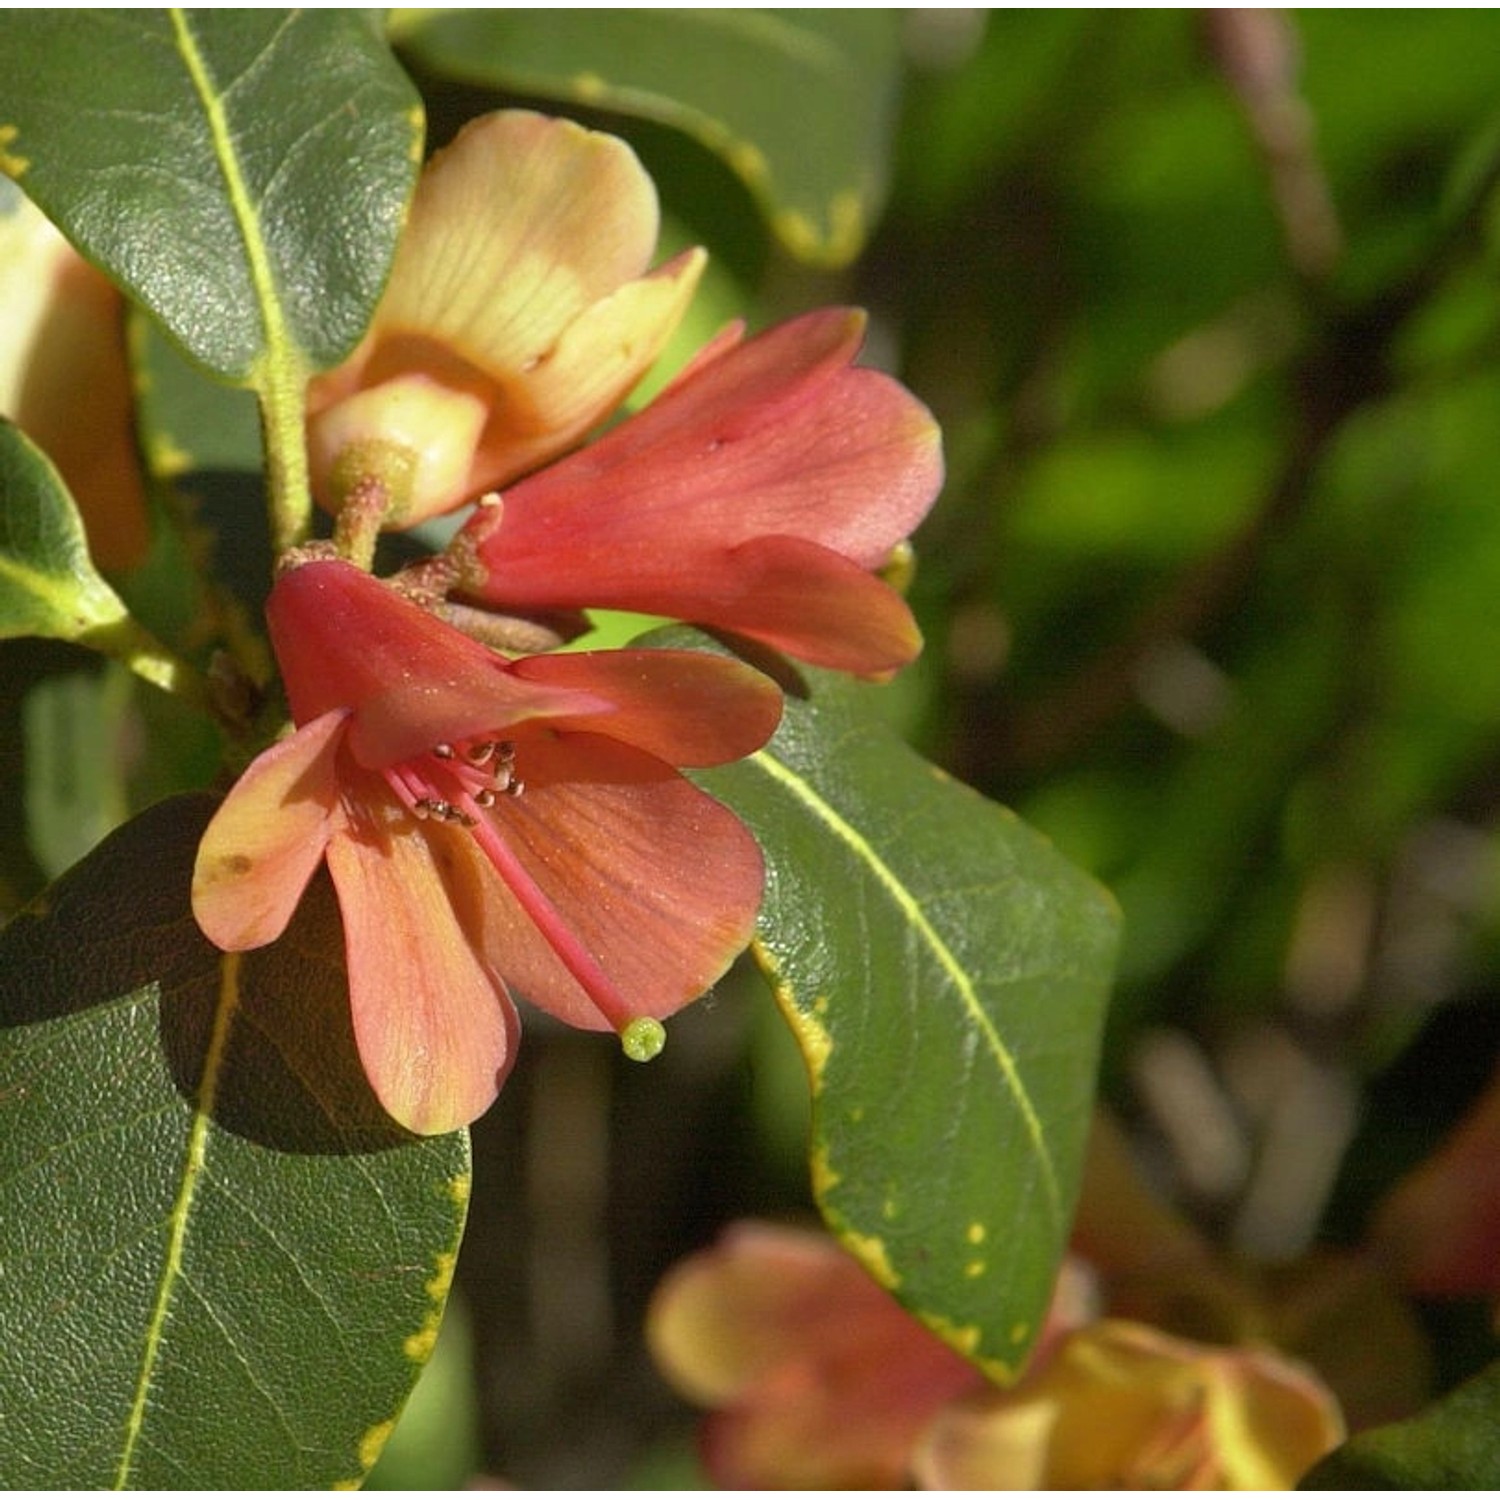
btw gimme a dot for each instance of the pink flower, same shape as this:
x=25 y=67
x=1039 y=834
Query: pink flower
x=757 y=494
x=487 y=823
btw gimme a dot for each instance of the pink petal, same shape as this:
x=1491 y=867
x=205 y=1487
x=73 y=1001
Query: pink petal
x=346 y=640
x=659 y=883
x=827 y=1381
x=683 y=707
x=435 y=1029
x=268 y=837
x=777 y=437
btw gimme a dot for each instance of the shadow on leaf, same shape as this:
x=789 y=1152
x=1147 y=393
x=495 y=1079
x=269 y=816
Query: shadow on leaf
x=116 y=933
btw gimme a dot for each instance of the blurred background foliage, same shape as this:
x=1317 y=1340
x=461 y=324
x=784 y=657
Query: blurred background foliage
x=1208 y=306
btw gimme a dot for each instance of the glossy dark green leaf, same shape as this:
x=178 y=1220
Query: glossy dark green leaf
x=800 y=103
x=48 y=585
x=945 y=972
x=1453 y=1445
x=241 y=173
x=221 y=1266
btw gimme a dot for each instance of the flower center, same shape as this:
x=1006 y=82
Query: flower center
x=452 y=783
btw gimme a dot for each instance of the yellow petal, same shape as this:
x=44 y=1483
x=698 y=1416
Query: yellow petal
x=517 y=227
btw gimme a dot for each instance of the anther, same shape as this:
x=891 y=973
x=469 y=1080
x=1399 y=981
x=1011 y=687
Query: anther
x=443 y=752
x=479 y=752
x=484 y=797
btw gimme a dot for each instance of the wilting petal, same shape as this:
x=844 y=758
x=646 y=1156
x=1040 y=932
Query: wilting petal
x=435 y=1030
x=262 y=846
x=1124 y=1406
x=344 y=639
x=684 y=707
x=827 y=1381
x=777 y=438
x=659 y=883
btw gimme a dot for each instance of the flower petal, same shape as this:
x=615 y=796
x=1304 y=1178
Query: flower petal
x=65 y=381
x=520 y=281
x=435 y=1029
x=344 y=639
x=684 y=707
x=262 y=846
x=657 y=881
x=829 y=1382
x=593 y=365
x=517 y=227
x=1122 y=1406
x=777 y=437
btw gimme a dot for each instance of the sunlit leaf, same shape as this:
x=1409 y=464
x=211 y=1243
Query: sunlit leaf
x=221 y=1266
x=945 y=973
x=242 y=173
x=800 y=103
x=48 y=585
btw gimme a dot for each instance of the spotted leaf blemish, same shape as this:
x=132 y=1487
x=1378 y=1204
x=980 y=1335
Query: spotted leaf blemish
x=871 y=1253
x=10 y=164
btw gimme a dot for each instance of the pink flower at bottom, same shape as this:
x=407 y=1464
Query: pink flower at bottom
x=487 y=823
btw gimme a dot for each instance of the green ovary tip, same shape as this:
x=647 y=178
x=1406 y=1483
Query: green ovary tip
x=643 y=1038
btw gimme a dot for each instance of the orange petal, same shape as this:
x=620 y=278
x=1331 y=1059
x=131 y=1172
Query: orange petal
x=268 y=837
x=659 y=883
x=827 y=1380
x=520 y=282
x=435 y=1029
x=684 y=707
x=64 y=380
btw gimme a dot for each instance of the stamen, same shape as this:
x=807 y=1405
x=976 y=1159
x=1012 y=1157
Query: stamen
x=574 y=957
x=443 y=752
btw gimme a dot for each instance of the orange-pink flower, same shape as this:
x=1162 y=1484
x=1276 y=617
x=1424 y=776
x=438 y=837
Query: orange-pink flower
x=819 y=1379
x=760 y=494
x=519 y=313
x=487 y=823
x=757 y=494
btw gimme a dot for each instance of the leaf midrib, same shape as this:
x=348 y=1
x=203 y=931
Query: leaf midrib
x=194 y=1160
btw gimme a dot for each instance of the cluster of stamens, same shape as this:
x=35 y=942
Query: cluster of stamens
x=475 y=774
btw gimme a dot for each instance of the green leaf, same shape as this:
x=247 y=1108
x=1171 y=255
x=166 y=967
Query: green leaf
x=48 y=585
x=801 y=104
x=945 y=972
x=221 y=1265
x=241 y=173
x=1453 y=1445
